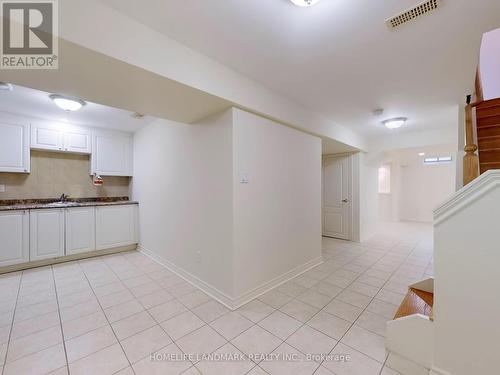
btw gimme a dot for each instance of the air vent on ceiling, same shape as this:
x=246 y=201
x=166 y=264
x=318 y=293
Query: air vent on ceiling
x=413 y=13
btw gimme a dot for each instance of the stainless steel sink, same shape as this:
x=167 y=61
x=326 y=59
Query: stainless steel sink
x=61 y=204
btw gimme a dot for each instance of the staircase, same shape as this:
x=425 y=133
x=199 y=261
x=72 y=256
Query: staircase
x=411 y=332
x=416 y=302
x=488 y=134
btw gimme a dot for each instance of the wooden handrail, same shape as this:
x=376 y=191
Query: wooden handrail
x=479 y=87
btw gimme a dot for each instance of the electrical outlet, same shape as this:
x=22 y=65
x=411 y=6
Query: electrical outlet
x=244 y=178
x=198 y=257
x=2 y=188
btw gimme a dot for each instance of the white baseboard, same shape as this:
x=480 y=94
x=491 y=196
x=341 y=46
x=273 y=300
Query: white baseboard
x=283 y=278
x=438 y=371
x=228 y=301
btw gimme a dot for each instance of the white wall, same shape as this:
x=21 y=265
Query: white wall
x=466 y=258
x=489 y=64
x=368 y=190
x=277 y=215
x=187 y=182
x=183 y=181
x=423 y=188
x=417 y=189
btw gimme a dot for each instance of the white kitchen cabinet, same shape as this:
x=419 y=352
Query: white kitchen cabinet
x=46 y=137
x=111 y=153
x=14 y=146
x=14 y=237
x=78 y=140
x=116 y=226
x=46 y=234
x=57 y=137
x=80 y=230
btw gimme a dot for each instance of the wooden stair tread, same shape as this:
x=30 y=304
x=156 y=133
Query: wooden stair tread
x=489 y=103
x=483 y=124
x=416 y=302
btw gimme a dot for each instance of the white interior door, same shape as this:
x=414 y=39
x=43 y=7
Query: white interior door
x=337 y=197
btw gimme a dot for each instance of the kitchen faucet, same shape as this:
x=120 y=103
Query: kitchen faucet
x=63 y=197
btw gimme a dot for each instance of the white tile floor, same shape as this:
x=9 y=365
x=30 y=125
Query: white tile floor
x=107 y=315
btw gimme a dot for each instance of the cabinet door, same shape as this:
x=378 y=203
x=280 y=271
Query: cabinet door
x=80 y=230
x=14 y=235
x=116 y=226
x=14 y=147
x=77 y=141
x=46 y=234
x=46 y=137
x=111 y=153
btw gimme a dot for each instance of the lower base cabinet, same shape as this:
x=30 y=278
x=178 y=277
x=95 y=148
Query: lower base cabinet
x=80 y=230
x=116 y=226
x=46 y=234
x=14 y=237
x=41 y=234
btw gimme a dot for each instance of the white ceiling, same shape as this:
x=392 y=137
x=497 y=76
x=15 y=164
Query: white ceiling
x=35 y=103
x=338 y=58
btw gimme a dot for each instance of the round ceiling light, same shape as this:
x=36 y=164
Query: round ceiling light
x=395 y=123
x=305 y=3
x=67 y=104
x=4 y=86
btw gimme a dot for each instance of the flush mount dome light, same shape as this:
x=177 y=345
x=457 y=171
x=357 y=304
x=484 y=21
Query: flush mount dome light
x=4 y=86
x=305 y=3
x=395 y=123
x=67 y=104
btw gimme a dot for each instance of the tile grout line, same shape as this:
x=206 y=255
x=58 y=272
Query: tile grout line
x=110 y=326
x=392 y=274
x=320 y=310
x=189 y=309
x=60 y=320
x=12 y=323
x=145 y=310
x=351 y=323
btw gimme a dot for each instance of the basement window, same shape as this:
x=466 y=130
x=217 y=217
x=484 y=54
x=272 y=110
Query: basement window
x=438 y=160
x=384 y=179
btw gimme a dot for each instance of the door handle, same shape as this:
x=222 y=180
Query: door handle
x=345 y=200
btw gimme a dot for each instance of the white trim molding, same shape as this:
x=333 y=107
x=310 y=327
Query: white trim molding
x=228 y=301
x=438 y=371
x=467 y=195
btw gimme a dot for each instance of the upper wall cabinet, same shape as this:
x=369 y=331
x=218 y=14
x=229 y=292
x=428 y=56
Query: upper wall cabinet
x=14 y=146
x=55 y=138
x=111 y=153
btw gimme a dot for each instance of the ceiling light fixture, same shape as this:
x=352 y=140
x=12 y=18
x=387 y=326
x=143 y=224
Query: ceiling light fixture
x=67 y=104
x=305 y=3
x=421 y=154
x=395 y=123
x=4 y=86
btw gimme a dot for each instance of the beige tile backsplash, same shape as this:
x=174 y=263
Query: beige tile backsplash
x=55 y=173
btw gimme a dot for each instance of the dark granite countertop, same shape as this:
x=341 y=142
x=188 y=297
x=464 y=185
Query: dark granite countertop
x=36 y=204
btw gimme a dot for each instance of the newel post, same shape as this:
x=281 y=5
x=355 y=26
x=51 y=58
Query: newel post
x=471 y=159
